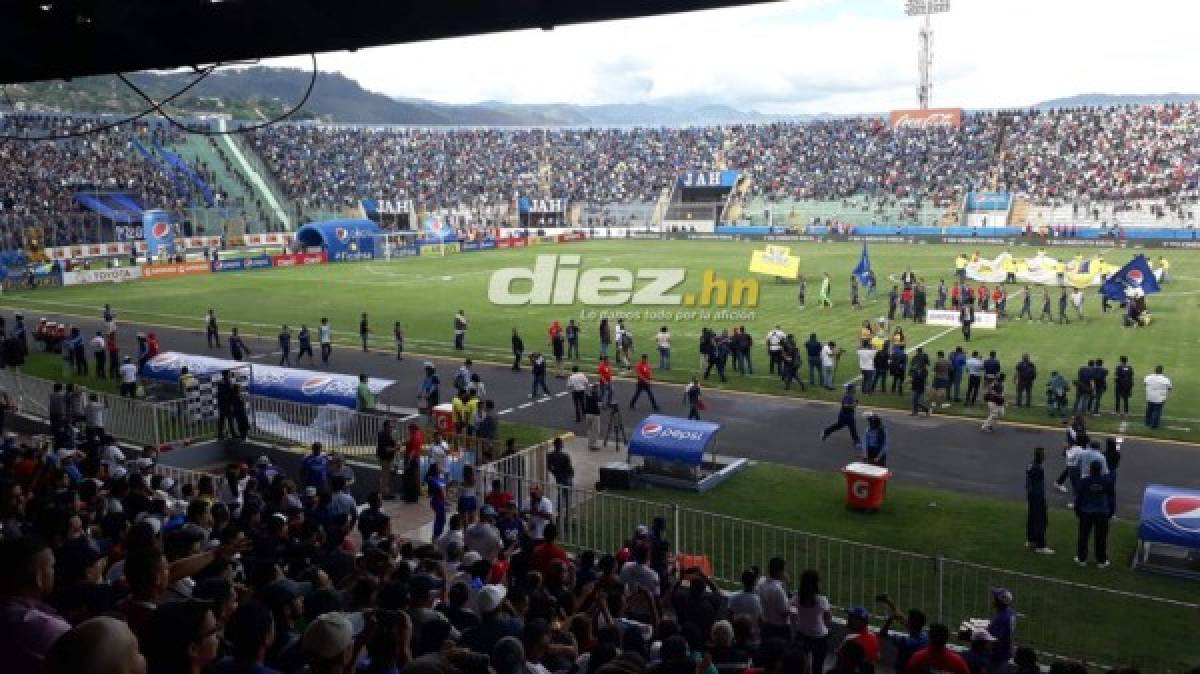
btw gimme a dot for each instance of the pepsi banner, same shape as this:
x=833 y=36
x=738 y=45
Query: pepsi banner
x=988 y=201
x=159 y=232
x=1170 y=516
x=672 y=439
x=1136 y=278
x=269 y=381
x=242 y=263
x=708 y=179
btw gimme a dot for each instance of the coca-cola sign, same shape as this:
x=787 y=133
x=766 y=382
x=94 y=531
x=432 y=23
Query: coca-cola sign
x=922 y=119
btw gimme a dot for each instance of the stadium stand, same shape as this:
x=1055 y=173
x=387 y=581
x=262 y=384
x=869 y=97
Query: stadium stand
x=1125 y=167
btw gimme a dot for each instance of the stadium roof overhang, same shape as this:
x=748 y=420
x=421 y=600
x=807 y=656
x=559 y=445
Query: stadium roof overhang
x=61 y=39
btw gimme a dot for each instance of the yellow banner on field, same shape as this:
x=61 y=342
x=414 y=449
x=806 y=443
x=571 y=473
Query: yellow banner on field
x=775 y=261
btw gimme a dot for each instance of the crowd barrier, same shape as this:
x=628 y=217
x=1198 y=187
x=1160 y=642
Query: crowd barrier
x=180 y=422
x=1059 y=619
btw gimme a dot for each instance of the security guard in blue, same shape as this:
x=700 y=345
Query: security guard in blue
x=845 y=417
x=1035 y=498
x=285 y=346
x=1095 y=504
x=875 y=441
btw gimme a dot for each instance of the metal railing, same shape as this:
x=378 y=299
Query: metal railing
x=179 y=422
x=1060 y=619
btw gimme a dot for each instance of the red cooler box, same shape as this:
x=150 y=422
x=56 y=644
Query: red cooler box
x=865 y=486
x=443 y=419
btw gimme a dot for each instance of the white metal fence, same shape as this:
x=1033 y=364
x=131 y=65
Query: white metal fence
x=279 y=422
x=1057 y=618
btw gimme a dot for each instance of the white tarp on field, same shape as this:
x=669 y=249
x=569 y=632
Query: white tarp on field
x=1041 y=270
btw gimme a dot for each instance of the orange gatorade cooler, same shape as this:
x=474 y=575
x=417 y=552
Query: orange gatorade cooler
x=443 y=419
x=865 y=486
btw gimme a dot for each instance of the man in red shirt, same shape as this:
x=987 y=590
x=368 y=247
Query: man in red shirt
x=644 y=376
x=605 y=373
x=497 y=497
x=548 y=550
x=936 y=657
x=413 y=447
x=858 y=629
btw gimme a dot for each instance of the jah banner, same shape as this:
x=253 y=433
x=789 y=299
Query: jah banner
x=775 y=261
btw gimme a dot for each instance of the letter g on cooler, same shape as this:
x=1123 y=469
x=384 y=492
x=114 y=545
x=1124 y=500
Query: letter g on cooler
x=861 y=489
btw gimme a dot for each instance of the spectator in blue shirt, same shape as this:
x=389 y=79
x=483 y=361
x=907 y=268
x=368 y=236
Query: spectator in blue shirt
x=958 y=364
x=875 y=441
x=1095 y=504
x=314 y=468
x=1002 y=628
x=906 y=643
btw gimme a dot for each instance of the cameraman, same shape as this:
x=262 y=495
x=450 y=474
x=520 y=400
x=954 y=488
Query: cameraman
x=591 y=413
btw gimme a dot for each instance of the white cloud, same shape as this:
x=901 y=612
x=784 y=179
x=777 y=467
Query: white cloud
x=806 y=56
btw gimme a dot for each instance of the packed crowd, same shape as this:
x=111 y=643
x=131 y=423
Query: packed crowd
x=1099 y=161
x=38 y=186
x=108 y=566
x=1144 y=152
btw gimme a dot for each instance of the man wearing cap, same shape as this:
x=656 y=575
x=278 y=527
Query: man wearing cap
x=285 y=598
x=936 y=657
x=539 y=510
x=858 y=629
x=338 y=468
x=978 y=656
x=483 y=537
x=329 y=645
x=845 y=417
x=494 y=622
x=423 y=589
x=1002 y=628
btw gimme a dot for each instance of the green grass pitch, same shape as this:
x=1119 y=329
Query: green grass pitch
x=423 y=293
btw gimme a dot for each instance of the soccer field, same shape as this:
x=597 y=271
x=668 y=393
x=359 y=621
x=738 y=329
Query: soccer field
x=424 y=292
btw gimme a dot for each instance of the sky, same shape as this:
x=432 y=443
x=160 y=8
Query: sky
x=805 y=56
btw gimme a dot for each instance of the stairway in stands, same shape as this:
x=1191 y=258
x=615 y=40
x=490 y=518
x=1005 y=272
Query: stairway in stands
x=241 y=201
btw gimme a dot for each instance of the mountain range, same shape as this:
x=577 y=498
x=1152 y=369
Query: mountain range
x=259 y=93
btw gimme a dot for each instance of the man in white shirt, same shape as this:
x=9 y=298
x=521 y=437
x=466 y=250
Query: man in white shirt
x=325 y=337
x=775 y=348
x=1158 y=387
x=827 y=364
x=774 y=597
x=866 y=367
x=129 y=374
x=483 y=537
x=540 y=512
x=342 y=503
x=663 y=340
x=637 y=574
x=439 y=453
x=110 y=453
x=577 y=384
x=99 y=354
x=1077 y=302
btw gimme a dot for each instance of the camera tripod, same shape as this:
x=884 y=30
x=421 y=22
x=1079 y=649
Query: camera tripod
x=616 y=427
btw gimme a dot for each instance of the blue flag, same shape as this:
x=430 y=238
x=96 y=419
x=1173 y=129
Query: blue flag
x=864 y=266
x=1137 y=273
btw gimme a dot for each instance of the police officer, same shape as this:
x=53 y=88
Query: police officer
x=1036 y=517
x=1095 y=504
x=845 y=418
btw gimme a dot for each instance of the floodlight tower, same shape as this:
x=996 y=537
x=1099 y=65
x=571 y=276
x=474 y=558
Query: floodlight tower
x=926 y=9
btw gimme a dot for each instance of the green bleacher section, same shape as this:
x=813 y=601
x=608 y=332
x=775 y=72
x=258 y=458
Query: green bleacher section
x=854 y=211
